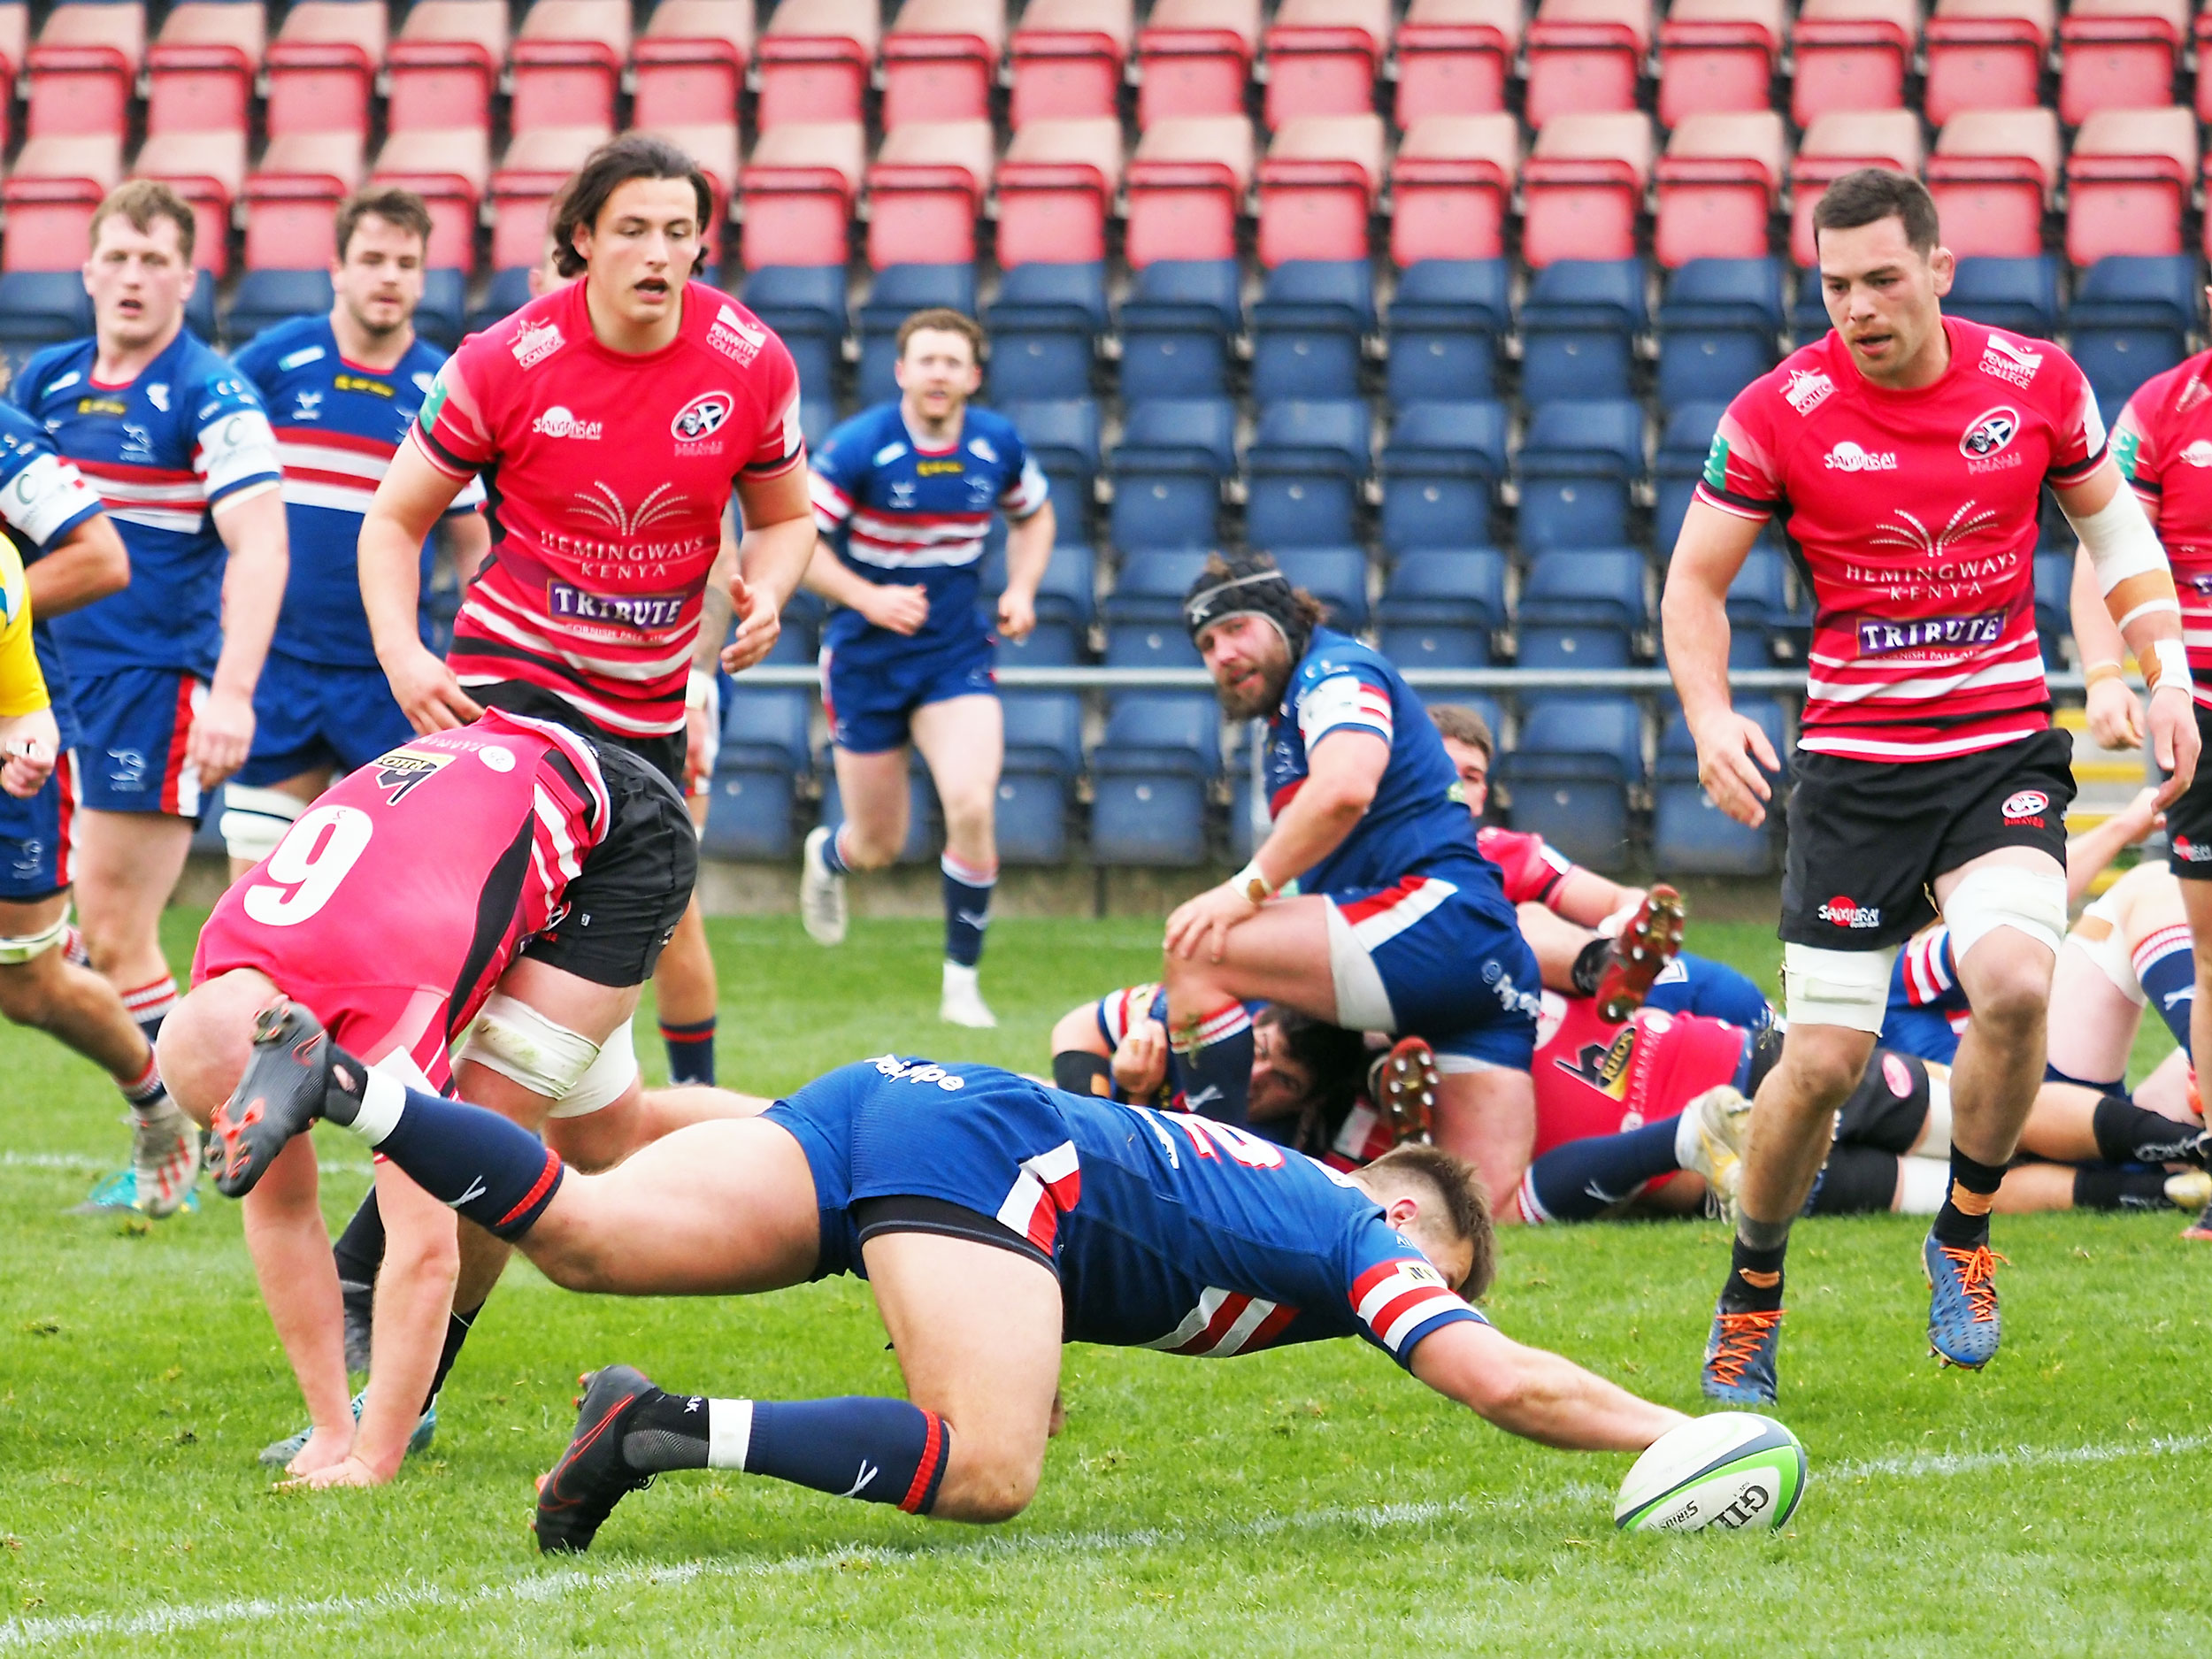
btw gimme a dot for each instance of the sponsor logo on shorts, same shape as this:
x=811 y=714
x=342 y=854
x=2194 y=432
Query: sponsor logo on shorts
x=2009 y=360
x=559 y=422
x=2198 y=454
x=629 y=610
x=891 y=1065
x=1877 y=638
x=2025 y=806
x=1896 y=1075
x=1848 y=912
x=1808 y=391
x=733 y=337
x=1989 y=433
x=534 y=344
x=402 y=771
x=701 y=416
x=2190 y=852
x=1849 y=458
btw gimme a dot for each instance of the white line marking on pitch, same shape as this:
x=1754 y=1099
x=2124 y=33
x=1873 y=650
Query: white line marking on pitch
x=83 y=1164
x=564 y=1583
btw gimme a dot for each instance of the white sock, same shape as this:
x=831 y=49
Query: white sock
x=729 y=1433
x=382 y=1099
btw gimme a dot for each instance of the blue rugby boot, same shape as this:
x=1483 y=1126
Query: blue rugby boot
x=1740 y=1356
x=1962 y=1323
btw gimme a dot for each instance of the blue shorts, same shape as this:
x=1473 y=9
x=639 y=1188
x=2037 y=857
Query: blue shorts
x=1428 y=954
x=309 y=716
x=871 y=706
x=136 y=722
x=1696 y=984
x=1923 y=1032
x=35 y=862
x=991 y=1145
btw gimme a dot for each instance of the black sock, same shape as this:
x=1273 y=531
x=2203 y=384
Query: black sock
x=2127 y=1133
x=690 y=1052
x=457 y=1327
x=1590 y=966
x=1079 y=1071
x=1739 y=1294
x=1954 y=1227
x=359 y=1250
x=666 y=1431
x=2108 y=1187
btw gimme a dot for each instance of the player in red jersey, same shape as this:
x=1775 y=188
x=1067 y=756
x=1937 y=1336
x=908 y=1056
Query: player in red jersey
x=1928 y=774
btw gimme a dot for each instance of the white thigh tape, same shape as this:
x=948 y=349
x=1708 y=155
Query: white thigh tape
x=1837 y=987
x=30 y=947
x=608 y=1076
x=254 y=820
x=1361 y=1003
x=2030 y=902
x=513 y=1039
x=2098 y=936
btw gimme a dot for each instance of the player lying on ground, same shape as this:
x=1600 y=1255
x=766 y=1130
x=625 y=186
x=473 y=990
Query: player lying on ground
x=508 y=869
x=995 y=1218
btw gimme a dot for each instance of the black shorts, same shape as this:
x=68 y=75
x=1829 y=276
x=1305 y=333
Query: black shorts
x=634 y=885
x=2189 y=821
x=1868 y=837
x=664 y=753
x=1889 y=1108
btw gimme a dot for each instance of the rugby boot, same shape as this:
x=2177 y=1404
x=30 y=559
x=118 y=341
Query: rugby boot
x=1740 y=1356
x=821 y=891
x=1962 y=1323
x=359 y=1302
x=580 y=1491
x=281 y=1093
x=2192 y=1189
x=277 y=1453
x=962 y=1002
x=1651 y=940
x=1708 y=1137
x=165 y=1158
x=2201 y=1227
x=1402 y=1088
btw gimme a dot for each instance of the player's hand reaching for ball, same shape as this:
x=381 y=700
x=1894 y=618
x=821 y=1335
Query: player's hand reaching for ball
x=428 y=693
x=899 y=607
x=1017 y=615
x=30 y=742
x=760 y=626
x=1140 y=1059
x=2174 y=741
x=2115 y=719
x=1730 y=749
x=1206 y=920
x=222 y=735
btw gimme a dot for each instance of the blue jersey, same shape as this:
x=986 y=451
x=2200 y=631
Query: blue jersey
x=163 y=451
x=898 y=513
x=337 y=426
x=42 y=498
x=1417 y=822
x=1928 y=1009
x=1696 y=984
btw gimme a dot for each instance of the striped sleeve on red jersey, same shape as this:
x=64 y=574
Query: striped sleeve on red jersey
x=779 y=446
x=1740 y=475
x=1401 y=1298
x=453 y=430
x=2078 y=439
x=2137 y=445
x=1346 y=698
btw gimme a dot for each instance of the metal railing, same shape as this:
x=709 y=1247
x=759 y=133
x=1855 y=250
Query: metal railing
x=1092 y=678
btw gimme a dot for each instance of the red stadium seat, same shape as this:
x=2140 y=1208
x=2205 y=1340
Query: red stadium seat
x=1585 y=57
x=2204 y=82
x=445 y=63
x=293 y=196
x=1718 y=57
x=2118 y=54
x=1584 y=186
x=1718 y=185
x=689 y=64
x=1194 y=58
x=567 y=62
x=449 y=170
x=323 y=66
x=1449 y=186
x=1318 y=186
x=926 y=190
x=209 y=170
x=201 y=67
x=15 y=45
x=537 y=163
x=1068 y=57
x=1187 y=182
x=815 y=61
x=51 y=197
x=1851 y=55
x=715 y=146
x=83 y=68
x=1054 y=189
x=1323 y=57
x=941 y=60
x=1453 y=56
x=1986 y=55
x=799 y=188
x=1992 y=176
x=2127 y=182
x=1840 y=143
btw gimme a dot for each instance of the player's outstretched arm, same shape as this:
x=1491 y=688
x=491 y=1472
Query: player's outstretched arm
x=407 y=507
x=1536 y=1394
x=1693 y=620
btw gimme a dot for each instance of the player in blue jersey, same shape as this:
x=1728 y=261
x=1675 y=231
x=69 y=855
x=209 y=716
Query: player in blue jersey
x=342 y=389
x=162 y=672
x=903 y=493
x=1400 y=923
x=995 y=1218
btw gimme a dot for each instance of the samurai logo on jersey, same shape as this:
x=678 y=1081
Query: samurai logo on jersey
x=1849 y=457
x=2008 y=360
x=2198 y=454
x=2188 y=852
x=1808 y=391
x=558 y=422
x=399 y=772
x=1848 y=912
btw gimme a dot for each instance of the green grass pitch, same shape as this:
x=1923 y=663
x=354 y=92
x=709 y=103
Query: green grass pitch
x=1314 y=1499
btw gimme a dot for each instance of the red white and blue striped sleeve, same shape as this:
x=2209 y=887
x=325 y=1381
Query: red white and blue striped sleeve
x=1931 y=976
x=1344 y=699
x=1398 y=1297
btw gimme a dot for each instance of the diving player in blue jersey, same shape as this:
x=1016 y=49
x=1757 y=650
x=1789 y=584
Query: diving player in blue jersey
x=903 y=493
x=342 y=389
x=993 y=1218
x=162 y=672
x=1400 y=923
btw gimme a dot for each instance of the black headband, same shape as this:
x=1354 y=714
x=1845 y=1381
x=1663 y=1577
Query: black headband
x=1261 y=593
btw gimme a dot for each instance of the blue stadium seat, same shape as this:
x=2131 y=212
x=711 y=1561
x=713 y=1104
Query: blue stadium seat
x=2054 y=609
x=900 y=291
x=1442 y=607
x=1176 y=326
x=1808 y=315
x=1579 y=329
x=1309 y=326
x=265 y=298
x=1305 y=472
x=1044 y=755
x=2019 y=294
x=509 y=292
x=440 y=319
x=764 y=751
x=1174 y=453
x=805 y=305
x=1045 y=326
x=38 y=307
x=1337 y=576
x=1759 y=609
x=1446 y=319
x=1151 y=775
x=1144 y=614
x=924 y=817
x=2131 y=318
x=199 y=309
x=1066 y=602
x=1062 y=435
x=800 y=642
x=1583 y=609
x=1440 y=471
x=1691 y=836
x=1718 y=324
x=818 y=418
x=1579 y=463
x=1684 y=442
x=1569 y=773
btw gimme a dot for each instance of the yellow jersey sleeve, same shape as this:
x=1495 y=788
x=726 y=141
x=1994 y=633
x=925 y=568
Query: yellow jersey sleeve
x=22 y=686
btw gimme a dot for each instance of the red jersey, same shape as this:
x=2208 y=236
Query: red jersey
x=393 y=904
x=1917 y=513
x=1596 y=1078
x=607 y=476
x=1533 y=872
x=2164 y=444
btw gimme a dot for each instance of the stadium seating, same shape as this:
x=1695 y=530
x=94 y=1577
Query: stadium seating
x=1445 y=320
x=2128 y=182
x=266 y=296
x=925 y=191
x=900 y=291
x=1690 y=835
x=752 y=796
x=1176 y=328
x=1323 y=56
x=209 y=170
x=1320 y=183
x=1067 y=605
x=15 y=45
x=450 y=171
x=1449 y=185
x=1717 y=328
x=1453 y=57
x=806 y=305
x=2054 y=603
x=1569 y=771
x=1187 y=182
x=2118 y=54
x=1994 y=174
x=1760 y=613
x=2131 y=318
x=1839 y=142
x=1143 y=616
x=1337 y=576
x=1583 y=187
x=201 y=69
x=292 y=198
x=1677 y=465
x=1067 y=59
x=528 y=177
x=1168 y=470
x=1851 y=55
x=1986 y=55
x=799 y=191
x=1056 y=188
x=1718 y=185
x=38 y=307
x=1441 y=470
x=1036 y=790
x=445 y=65
x=1151 y=775
x=1062 y=435
x=1044 y=325
x=1443 y=608
x=83 y=67
x=688 y=67
x=1579 y=329
x=1309 y=327
x=1718 y=57
x=2018 y=295
x=1195 y=57
x=1305 y=473
x=1585 y=57
x=322 y=68
x=941 y=60
x=815 y=61
x=1579 y=467
x=567 y=62
x=1583 y=607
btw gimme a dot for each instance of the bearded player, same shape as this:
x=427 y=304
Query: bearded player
x=1928 y=774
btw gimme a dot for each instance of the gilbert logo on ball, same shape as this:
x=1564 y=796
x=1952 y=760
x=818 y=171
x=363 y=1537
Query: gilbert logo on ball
x=1736 y=1470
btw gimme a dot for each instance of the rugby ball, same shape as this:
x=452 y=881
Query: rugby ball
x=1734 y=1469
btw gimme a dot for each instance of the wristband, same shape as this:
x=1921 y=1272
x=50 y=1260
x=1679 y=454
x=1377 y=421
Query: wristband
x=2097 y=673
x=698 y=690
x=2171 y=657
x=1252 y=883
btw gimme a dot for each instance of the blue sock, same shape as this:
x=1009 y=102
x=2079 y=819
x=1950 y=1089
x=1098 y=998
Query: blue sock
x=1582 y=1180
x=490 y=1169
x=690 y=1052
x=834 y=853
x=2166 y=967
x=967 y=909
x=879 y=1451
x=1213 y=1062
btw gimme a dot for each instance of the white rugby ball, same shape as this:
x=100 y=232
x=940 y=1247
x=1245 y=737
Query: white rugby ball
x=1734 y=1469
